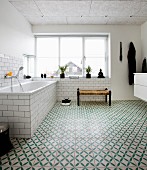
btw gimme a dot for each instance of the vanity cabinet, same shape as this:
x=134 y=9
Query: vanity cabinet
x=140 y=85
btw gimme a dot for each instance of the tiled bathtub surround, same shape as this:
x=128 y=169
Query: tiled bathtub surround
x=9 y=63
x=25 y=111
x=67 y=88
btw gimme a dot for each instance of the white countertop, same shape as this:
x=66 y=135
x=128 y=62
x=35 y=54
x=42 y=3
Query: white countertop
x=140 y=73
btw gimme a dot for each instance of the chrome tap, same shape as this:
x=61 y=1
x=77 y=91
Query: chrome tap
x=16 y=76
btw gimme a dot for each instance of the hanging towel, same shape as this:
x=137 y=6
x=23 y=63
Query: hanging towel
x=131 y=63
x=144 y=66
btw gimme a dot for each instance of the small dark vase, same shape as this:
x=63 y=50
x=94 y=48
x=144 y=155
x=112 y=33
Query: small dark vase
x=44 y=75
x=41 y=75
x=88 y=75
x=62 y=75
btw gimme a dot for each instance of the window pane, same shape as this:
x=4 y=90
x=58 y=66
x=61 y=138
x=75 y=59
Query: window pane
x=48 y=66
x=47 y=47
x=95 y=54
x=25 y=66
x=96 y=64
x=31 y=66
x=74 y=66
x=71 y=53
x=47 y=55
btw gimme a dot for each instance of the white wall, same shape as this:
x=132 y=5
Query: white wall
x=121 y=90
x=16 y=36
x=144 y=39
x=16 y=39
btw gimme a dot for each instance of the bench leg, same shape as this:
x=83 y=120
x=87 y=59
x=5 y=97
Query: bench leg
x=109 y=98
x=78 y=97
x=106 y=98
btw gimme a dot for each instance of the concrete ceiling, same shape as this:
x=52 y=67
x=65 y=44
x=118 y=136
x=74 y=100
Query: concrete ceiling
x=82 y=11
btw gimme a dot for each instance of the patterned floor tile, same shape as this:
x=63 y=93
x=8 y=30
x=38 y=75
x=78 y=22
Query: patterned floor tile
x=91 y=136
x=45 y=157
x=83 y=144
x=9 y=158
x=26 y=158
x=124 y=158
x=65 y=159
x=84 y=159
x=104 y=159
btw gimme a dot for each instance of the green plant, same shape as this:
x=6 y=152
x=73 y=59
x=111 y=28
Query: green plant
x=63 y=69
x=88 y=69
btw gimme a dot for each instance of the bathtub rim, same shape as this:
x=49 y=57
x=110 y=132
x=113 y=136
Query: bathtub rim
x=25 y=93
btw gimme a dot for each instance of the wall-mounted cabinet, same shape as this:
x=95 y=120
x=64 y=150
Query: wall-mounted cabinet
x=140 y=85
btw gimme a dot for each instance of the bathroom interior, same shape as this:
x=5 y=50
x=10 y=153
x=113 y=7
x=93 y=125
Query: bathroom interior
x=47 y=50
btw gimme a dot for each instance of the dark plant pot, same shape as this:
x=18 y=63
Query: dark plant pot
x=62 y=75
x=88 y=75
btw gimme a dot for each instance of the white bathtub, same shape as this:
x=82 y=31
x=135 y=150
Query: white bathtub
x=27 y=87
x=24 y=109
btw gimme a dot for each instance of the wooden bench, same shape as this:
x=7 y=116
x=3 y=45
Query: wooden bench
x=94 y=92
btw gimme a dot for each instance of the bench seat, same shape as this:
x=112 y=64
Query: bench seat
x=94 y=92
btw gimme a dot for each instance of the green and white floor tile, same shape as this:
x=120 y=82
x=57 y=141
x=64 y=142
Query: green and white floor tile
x=92 y=136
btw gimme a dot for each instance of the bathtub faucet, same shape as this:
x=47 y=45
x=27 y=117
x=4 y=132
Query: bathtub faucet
x=17 y=77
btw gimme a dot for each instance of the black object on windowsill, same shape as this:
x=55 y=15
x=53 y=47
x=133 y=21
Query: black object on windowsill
x=41 y=75
x=28 y=77
x=100 y=74
x=44 y=75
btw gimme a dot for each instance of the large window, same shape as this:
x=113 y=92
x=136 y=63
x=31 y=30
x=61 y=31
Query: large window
x=47 y=56
x=74 y=51
x=71 y=53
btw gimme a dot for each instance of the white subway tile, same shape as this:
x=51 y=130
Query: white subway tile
x=27 y=125
x=12 y=119
x=8 y=113
x=25 y=120
x=3 y=107
x=27 y=114
x=24 y=97
x=14 y=131
x=26 y=102
x=4 y=119
x=19 y=125
x=14 y=108
x=25 y=131
x=19 y=114
x=24 y=108
x=12 y=97
x=7 y=102
x=18 y=102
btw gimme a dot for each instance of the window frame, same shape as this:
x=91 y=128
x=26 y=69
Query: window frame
x=84 y=36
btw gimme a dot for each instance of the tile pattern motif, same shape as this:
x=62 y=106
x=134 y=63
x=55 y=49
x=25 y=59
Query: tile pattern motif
x=91 y=136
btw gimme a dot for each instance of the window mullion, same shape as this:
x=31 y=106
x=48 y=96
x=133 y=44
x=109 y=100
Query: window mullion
x=35 y=59
x=59 y=57
x=83 y=59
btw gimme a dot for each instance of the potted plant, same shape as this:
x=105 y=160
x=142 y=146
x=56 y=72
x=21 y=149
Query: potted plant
x=88 y=70
x=62 y=70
